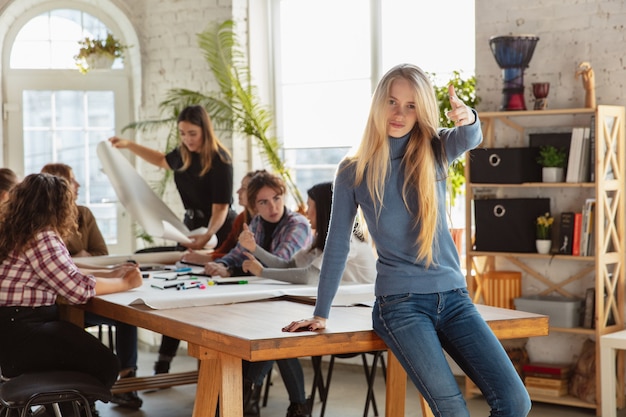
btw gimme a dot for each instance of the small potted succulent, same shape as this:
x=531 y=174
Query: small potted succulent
x=553 y=160
x=98 y=53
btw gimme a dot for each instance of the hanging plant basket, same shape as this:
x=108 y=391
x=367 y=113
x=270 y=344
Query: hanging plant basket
x=98 y=53
x=99 y=61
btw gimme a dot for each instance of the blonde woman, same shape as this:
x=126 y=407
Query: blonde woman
x=398 y=178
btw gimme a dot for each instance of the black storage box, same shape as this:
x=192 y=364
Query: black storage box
x=504 y=165
x=509 y=224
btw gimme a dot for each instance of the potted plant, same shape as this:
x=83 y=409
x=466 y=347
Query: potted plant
x=98 y=53
x=466 y=91
x=544 y=233
x=552 y=159
x=236 y=107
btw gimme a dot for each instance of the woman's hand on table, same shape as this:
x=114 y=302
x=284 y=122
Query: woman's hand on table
x=117 y=271
x=196 y=258
x=311 y=324
x=133 y=278
x=252 y=265
x=122 y=269
x=214 y=268
x=127 y=278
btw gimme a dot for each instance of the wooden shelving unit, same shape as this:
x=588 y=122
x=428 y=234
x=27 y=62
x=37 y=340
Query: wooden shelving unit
x=608 y=264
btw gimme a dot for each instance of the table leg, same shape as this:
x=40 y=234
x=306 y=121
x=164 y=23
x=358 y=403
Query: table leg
x=209 y=375
x=231 y=398
x=607 y=364
x=396 y=387
x=396 y=390
x=218 y=374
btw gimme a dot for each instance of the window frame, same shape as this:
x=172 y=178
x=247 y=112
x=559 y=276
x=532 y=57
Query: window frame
x=120 y=81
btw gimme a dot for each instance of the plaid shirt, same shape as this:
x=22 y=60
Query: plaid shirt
x=292 y=233
x=45 y=270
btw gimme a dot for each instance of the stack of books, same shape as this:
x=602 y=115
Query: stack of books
x=550 y=379
x=576 y=231
x=581 y=160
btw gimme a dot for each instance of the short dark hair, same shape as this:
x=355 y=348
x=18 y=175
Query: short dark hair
x=262 y=179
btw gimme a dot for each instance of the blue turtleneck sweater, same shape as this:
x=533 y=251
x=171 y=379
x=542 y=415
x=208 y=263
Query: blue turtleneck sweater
x=393 y=231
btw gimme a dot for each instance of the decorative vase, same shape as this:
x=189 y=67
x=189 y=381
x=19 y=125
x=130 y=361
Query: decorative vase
x=552 y=174
x=543 y=246
x=513 y=54
x=540 y=91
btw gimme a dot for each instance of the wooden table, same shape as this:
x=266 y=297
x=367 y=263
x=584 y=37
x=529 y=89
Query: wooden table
x=221 y=336
x=610 y=345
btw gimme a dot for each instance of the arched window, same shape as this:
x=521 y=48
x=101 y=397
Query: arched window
x=48 y=41
x=56 y=114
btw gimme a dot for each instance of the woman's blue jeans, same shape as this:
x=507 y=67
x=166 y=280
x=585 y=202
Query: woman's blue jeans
x=418 y=327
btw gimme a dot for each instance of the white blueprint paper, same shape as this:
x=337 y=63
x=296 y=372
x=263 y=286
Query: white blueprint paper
x=139 y=199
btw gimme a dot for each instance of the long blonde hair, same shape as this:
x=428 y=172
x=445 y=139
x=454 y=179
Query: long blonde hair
x=372 y=158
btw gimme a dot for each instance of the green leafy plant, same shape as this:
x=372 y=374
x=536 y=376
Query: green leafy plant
x=551 y=157
x=544 y=226
x=235 y=107
x=466 y=91
x=109 y=46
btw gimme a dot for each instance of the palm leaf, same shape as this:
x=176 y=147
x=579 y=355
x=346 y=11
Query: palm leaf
x=226 y=59
x=235 y=108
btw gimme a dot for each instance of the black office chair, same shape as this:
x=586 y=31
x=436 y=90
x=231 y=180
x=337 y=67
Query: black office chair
x=370 y=376
x=110 y=330
x=51 y=388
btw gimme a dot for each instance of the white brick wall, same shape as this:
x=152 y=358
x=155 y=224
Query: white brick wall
x=171 y=58
x=167 y=47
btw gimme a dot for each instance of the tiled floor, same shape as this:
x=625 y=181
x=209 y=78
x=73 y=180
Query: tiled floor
x=347 y=396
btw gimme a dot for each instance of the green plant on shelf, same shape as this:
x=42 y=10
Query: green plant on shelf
x=551 y=157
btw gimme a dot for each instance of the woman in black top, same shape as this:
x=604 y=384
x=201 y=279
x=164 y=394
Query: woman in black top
x=203 y=173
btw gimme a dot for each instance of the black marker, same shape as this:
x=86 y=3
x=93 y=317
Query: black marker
x=166 y=286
